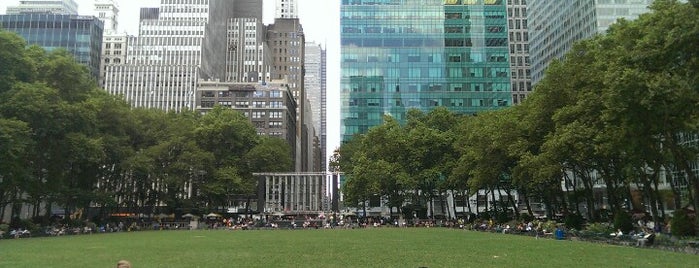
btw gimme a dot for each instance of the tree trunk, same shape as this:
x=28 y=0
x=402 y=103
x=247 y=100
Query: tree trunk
x=528 y=204
x=589 y=196
x=658 y=198
x=513 y=204
x=467 y=200
x=652 y=193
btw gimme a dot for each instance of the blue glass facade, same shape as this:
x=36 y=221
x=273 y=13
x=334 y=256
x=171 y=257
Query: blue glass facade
x=80 y=35
x=402 y=54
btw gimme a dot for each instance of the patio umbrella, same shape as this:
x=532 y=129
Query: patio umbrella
x=188 y=215
x=213 y=215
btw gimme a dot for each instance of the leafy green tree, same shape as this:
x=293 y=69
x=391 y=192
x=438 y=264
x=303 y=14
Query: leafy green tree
x=270 y=154
x=15 y=148
x=228 y=136
x=16 y=66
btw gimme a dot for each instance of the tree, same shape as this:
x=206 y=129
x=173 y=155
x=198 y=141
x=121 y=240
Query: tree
x=16 y=66
x=228 y=136
x=270 y=154
x=15 y=149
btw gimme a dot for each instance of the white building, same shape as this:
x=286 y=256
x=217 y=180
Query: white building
x=518 y=40
x=161 y=69
x=108 y=12
x=555 y=25
x=68 y=7
x=315 y=82
x=247 y=56
x=287 y=9
x=114 y=45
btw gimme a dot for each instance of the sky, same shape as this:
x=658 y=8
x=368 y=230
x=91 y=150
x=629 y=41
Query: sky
x=321 y=23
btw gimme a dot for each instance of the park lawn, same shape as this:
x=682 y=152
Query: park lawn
x=378 y=247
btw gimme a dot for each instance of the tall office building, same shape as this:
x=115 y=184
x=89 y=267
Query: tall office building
x=248 y=58
x=555 y=25
x=400 y=54
x=113 y=44
x=286 y=41
x=67 y=7
x=163 y=63
x=315 y=82
x=80 y=35
x=247 y=9
x=287 y=9
x=520 y=64
x=108 y=12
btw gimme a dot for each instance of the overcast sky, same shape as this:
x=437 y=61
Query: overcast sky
x=320 y=20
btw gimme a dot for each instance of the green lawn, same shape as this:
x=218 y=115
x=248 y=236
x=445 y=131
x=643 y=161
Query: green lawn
x=386 y=247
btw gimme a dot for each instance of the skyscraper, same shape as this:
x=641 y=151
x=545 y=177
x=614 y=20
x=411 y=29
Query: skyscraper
x=555 y=25
x=162 y=68
x=80 y=35
x=114 y=45
x=286 y=41
x=315 y=83
x=248 y=58
x=66 y=7
x=108 y=12
x=400 y=54
x=287 y=9
x=520 y=63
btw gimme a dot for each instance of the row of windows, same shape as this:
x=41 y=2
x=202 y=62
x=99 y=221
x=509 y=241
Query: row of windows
x=446 y=2
x=263 y=114
x=172 y=33
x=34 y=23
x=453 y=102
x=242 y=94
x=451 y=87
x=185 y=2
x=494 y=56
x=420 y=42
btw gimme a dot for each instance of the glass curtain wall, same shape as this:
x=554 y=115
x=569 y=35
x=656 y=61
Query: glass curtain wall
x=398 y=55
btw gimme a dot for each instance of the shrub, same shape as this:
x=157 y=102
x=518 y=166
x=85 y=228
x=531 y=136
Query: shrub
x=623 y=221
x=574 y=221
x=4 y=227
x=682 y=224
x=525 y=217
x=549 y=226
x=599 y=228
x=502 y=217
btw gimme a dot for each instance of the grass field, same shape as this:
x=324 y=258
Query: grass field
x=387 y=247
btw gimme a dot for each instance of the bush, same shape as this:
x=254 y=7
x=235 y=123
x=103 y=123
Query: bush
x=525 y=217
x=681 y=224
x=599 y=228
x=623 y=221
x=549 y=226
x=574 y=221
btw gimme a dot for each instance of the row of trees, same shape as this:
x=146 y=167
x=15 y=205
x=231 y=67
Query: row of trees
x=65 y=142
x=624 y=106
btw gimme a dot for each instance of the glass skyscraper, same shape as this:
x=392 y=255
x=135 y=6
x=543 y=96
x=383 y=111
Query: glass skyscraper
x=554 y=26
x=402 y=54
x=80 y=35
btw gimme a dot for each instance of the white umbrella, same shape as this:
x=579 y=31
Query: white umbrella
x=188 y=215
x=213 y=215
